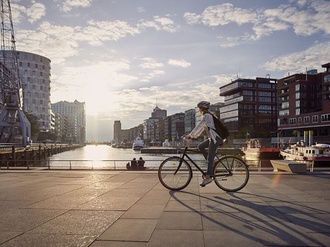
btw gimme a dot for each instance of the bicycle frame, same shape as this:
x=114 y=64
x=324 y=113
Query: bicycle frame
x=184 y=154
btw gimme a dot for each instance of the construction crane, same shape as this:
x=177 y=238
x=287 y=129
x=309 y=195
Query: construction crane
x=15 y=128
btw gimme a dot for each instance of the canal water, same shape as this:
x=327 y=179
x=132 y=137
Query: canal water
x=103 y=156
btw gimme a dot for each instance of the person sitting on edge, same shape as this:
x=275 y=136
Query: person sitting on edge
x=134 y=164
x=128 y=167
x=141 y=163
x=212 y=142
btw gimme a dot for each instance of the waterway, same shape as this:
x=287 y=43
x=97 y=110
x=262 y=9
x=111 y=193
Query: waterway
x=98 y=156
x=104 y=156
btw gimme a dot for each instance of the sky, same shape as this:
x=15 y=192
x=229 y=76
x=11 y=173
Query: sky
x=125 y=57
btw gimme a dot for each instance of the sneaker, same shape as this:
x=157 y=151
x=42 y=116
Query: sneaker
x=206 y=181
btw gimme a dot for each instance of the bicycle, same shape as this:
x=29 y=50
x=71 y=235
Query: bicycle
x=230 y=173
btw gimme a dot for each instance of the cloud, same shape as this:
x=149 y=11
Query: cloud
x=150 y=63
x=297 y=62
x=158 y=23
x=220 y=15
x=53 y=41
x=32 y=13
x=179 y=63
x=307 y=18
x=68 y=5
x=99 y=31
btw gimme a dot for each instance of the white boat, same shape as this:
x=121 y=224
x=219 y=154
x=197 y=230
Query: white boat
x=166 y=143
x=138 y=143
x=254 y=150
x=318 y=152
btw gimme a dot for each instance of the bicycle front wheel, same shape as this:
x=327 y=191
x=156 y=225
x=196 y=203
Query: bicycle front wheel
x=174 y=176
x=231 y=173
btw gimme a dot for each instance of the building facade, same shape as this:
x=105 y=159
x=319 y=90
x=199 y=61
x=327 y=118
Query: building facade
x=250 y=107
x=304 y=106
x=35 y=71
x=150 y=131
x=75 y=113
x=189 y=120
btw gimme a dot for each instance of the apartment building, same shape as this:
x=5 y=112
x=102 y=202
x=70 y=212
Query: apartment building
x=304 y=106
x=35 y=74
x=75 y=114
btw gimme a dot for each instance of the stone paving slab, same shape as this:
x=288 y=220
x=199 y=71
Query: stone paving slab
x=120 y=208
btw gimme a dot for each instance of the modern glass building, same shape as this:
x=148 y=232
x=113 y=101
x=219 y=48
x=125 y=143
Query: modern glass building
x=250 y=107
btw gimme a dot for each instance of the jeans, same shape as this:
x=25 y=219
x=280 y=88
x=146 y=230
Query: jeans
x=209 y=156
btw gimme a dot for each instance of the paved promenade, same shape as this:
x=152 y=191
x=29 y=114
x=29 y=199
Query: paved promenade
x=131 y=208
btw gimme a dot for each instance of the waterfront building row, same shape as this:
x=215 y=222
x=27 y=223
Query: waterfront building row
x=276 y=109
x=160 y=127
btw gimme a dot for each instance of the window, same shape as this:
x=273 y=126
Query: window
x=315 y=119
x=292 y=121
x=306 y=120
x=284 y=113
x=325 y=117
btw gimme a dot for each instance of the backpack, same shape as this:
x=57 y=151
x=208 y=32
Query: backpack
x=220 y=128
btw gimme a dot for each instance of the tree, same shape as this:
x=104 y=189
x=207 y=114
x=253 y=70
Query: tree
x=34 y=124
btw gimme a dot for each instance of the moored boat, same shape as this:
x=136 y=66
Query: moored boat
x=138 y=143
x=254 y=150
x=318 y=152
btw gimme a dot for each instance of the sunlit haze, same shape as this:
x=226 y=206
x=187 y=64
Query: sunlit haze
x=122 y=57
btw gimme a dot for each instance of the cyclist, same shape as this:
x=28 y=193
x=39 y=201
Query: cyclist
x=212 y=142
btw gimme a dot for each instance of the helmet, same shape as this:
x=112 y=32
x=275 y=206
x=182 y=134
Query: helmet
x=204 y=104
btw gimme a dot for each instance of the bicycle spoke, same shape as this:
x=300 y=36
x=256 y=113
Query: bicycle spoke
x=231 y=173
x=173 y=175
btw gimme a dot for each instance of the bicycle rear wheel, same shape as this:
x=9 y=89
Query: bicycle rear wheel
x=231 y=173
x=174 y=176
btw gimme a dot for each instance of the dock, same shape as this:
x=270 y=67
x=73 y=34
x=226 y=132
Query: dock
x=31 y=156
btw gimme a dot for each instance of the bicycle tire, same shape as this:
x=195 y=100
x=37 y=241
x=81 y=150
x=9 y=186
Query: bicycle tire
x=172 y=178
x=231 y=173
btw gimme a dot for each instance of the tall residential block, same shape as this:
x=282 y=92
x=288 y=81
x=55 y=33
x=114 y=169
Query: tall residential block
x=75 y=115
x=35 y=78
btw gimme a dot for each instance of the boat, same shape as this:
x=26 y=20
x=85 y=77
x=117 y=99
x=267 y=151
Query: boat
x=166 y=143
x=138 y=143
x=254 y=151
x=318 y=153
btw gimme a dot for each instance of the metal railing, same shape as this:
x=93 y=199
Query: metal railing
x=48 y=164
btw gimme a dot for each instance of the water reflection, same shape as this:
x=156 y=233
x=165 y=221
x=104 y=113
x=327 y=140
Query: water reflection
x=103 y=156
x=99 y=156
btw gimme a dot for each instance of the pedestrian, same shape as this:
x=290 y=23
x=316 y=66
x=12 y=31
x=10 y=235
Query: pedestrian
x=134 y=164
x=212 y=142
x=141 y=163
x=128 y=167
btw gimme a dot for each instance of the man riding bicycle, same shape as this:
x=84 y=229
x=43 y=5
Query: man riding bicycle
x=212 y=142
